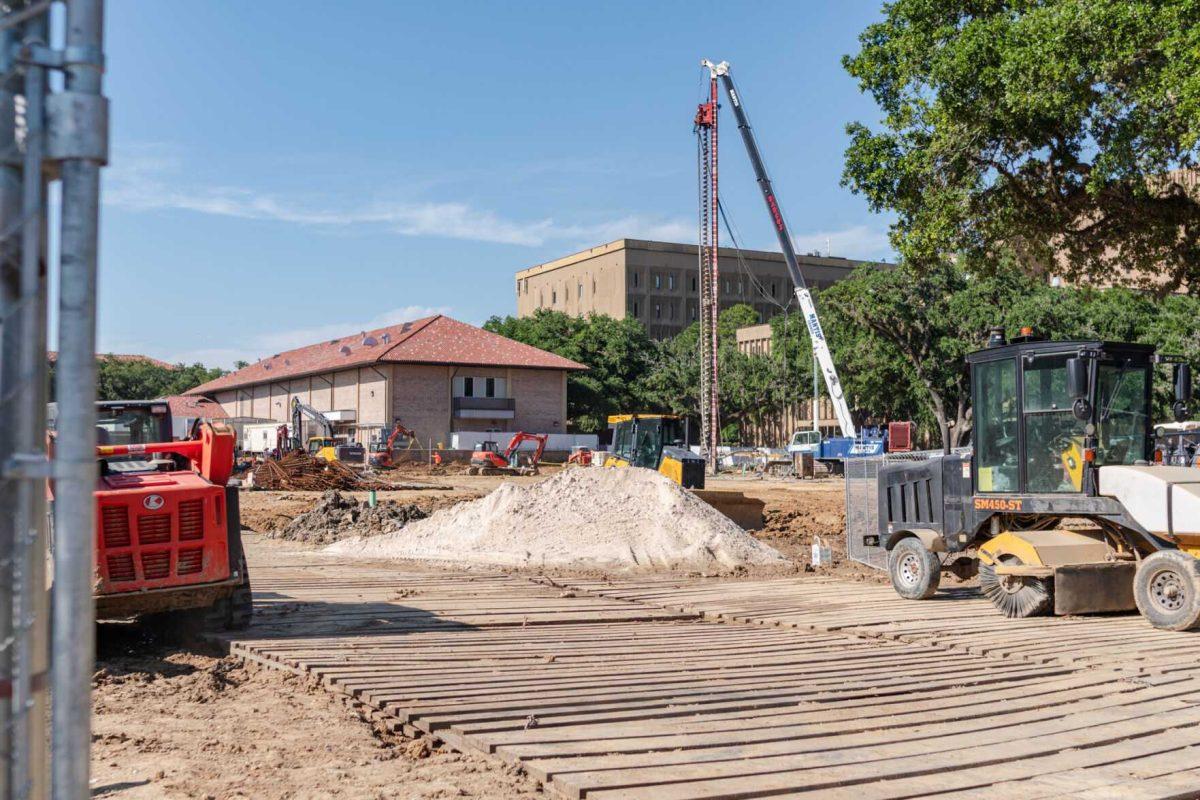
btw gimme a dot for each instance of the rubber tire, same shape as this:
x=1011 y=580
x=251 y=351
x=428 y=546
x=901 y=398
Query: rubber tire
x=929 y=574
x=1187 y=571
x=234 y=612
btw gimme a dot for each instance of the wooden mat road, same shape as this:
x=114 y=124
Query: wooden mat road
x=956 y=620
x=654 y=689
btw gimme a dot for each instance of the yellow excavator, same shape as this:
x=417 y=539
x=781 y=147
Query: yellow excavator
x=327 y=446
x=658 y=442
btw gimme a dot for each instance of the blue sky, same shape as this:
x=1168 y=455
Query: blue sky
x=284 y=171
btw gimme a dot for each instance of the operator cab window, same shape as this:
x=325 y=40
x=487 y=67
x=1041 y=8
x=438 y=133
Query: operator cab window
x=1053 y=436
x=996 y=426
x=1123 y=400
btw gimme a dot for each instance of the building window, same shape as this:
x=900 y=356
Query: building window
x=692 y=309
x=635 y=308
x=635 y=282
x=671 y=282
x=772 y=288
x=479 y=386
x=739 y=291
x=693 y=284
x=657 y=281
x=580 y=288
x=593 y=287
x=553 y=297
x=541 y=299
x=725 y=286
x=657 y=311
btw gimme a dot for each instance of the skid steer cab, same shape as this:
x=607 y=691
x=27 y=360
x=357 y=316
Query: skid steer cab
x=1059 y=498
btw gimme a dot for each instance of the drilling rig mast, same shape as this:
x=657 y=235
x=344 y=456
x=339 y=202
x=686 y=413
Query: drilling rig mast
x=705 y=126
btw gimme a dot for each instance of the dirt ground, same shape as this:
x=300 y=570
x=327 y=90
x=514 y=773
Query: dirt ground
x=795 y=511
x=177 y=722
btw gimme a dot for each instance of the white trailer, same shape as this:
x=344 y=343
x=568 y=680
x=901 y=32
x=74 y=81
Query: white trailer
x=259 y=437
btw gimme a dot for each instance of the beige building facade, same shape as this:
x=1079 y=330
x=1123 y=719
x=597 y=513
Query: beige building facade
x=657 y=282
x=435 y=375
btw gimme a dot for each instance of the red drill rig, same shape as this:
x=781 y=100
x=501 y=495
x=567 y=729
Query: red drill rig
x=488 y=460
x=170 y=539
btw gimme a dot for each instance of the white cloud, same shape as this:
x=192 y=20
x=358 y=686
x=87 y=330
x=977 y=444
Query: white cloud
x=252 y=348
x=146 y=179
x=858 y=241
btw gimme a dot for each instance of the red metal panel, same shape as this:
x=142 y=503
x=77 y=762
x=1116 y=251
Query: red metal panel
x=160 y=530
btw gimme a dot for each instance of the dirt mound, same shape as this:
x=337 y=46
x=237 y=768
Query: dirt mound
x=579 y=519
x=335 y=517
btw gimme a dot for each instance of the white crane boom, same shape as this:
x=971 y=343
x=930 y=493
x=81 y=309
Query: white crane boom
x=820 y=346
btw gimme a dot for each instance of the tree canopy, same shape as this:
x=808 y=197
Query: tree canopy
x=1052 y=130
x=898 y=337
x=142 y=379
x=618 y=353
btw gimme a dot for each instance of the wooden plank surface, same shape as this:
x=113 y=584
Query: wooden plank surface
x=695 y=688
x=954 y=620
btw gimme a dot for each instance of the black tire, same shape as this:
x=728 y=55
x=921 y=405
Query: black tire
x=1166 y=588
x=914 y=570
x=232 y=612
x=1016 y=597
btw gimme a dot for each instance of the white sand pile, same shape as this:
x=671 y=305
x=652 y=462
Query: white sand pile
x=581 y=518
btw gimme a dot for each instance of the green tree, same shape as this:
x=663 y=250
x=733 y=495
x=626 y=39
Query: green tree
x=618 y=354
x=1045 y=129
x=141 y=379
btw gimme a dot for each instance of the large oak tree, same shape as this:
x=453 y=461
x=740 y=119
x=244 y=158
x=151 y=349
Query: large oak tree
x=1060 y=131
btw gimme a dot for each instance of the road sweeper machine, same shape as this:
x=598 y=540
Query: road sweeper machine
x=1061 y=499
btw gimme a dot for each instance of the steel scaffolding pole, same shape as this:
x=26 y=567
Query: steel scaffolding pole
x=78 y=128
x=31 y=618
x=10 y=211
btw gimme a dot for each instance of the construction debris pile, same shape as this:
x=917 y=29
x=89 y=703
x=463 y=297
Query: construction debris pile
x=334 y=517
x=301 y=471
x=624 y=519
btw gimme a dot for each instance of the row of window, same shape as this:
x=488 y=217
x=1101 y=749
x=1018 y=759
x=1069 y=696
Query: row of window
x=667 y=311
x=737 y=286
x=480 y=386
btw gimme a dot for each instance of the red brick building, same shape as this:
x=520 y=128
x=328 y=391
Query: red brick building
x=436 y=375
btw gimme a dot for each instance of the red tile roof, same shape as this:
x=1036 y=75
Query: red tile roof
x=52 y=357
x=432 y=340
x=195 y=407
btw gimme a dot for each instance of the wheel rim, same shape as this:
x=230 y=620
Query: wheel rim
x=909 y=569
x=1167 y=590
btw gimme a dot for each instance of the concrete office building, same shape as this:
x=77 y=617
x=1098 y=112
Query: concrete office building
x=657 y=282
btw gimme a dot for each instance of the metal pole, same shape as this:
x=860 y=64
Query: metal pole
x=10 y=301
x=13 y=758
x=31 y=624
x=78 y=136
x=33 y=614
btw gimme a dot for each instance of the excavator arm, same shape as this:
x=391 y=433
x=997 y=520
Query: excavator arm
x=520 y=437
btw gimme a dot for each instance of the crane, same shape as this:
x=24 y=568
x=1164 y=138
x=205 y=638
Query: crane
x=807 y=307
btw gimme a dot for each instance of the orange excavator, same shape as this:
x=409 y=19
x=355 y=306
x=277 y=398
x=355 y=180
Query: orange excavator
x=488 y=460
x=384 y=456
